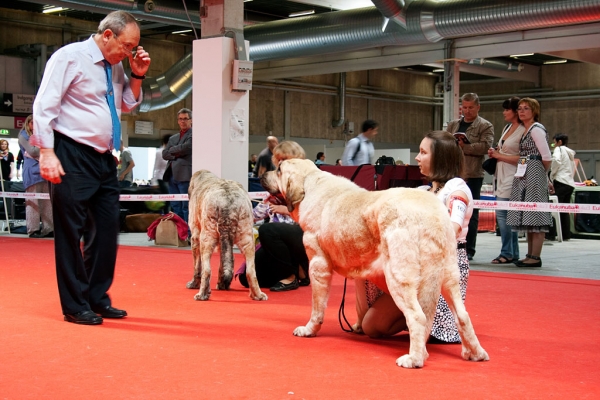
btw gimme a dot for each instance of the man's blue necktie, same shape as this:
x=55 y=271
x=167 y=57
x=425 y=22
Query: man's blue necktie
x=110 y=99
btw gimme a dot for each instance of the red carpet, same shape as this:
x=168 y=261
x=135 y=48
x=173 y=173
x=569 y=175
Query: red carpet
x=541 y=335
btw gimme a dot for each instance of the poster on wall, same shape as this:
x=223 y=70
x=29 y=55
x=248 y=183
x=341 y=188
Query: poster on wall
x=237 y=125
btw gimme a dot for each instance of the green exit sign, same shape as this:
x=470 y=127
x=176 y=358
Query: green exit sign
x=4 y=132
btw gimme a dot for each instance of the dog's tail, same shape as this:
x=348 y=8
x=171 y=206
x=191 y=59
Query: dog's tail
x=227 y=235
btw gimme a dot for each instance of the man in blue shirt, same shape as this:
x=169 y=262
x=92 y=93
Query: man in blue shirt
x=360 y=150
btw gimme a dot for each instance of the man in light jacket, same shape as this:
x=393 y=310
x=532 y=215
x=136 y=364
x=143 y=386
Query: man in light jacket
x=561 y=178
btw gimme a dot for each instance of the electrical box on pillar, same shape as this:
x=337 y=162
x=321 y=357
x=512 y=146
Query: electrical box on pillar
x=241 y=77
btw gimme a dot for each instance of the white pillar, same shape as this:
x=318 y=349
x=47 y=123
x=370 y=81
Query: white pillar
x=220 y=116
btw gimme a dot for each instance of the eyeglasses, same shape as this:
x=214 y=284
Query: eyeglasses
x=127 y=47
x=183 y=119
x=523 y=109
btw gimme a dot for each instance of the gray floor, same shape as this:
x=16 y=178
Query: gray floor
x=576 y=258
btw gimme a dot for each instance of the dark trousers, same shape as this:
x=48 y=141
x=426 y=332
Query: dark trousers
x=563 y=192
x=281 y=253
x=85 y=204
x=475 y=185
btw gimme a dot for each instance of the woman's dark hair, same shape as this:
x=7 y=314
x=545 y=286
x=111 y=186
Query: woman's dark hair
x=563 y=137
x=447 y=159
x=165 y=139
x=512 y=103
x=319 y=155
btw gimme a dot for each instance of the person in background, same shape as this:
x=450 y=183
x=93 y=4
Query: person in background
x=125 y=168
x=178 y=152
x=252 y=164
x=399 y=162
x=36 y=210
x=281 y=261
x=530 y=183
x=7 y=161
x=338 y=162
x=507 y=154
x=441 y=160
x=561 y=178
x=265 y=158
x=77 y=126
x=360 y=150
x=320 y=160
x=160 y=165
x=19 y=163
x=480 y=133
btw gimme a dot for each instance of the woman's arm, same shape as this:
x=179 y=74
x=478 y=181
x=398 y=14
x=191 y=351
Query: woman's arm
x=514 y=160
x=458 y=204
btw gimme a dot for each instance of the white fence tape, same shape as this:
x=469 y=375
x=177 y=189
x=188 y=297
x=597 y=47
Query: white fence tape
x=481 y=204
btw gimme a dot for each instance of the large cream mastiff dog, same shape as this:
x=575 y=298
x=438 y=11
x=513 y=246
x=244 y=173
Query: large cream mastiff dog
x=220 y=214
x=400 y=239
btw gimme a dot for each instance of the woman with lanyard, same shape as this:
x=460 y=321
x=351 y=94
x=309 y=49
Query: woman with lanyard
x=531 y=183
x=441 y=160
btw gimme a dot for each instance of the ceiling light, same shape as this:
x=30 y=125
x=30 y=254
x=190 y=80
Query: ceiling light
x=245 y=1
x=521 y=55
x=301 y=13
x=53 y=10
x=438 y=70
x=555 y=62
x=184 y=31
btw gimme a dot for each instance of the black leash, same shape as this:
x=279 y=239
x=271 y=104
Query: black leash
x=341 y=313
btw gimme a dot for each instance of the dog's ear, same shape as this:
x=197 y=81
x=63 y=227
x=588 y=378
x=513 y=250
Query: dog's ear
x=294 y=189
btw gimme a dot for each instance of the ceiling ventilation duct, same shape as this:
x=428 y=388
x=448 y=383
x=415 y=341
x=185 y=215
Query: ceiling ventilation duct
x=342 y=31
x=392 y=9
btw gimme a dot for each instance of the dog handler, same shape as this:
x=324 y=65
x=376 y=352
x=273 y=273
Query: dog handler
x=441 y=160
x=76 y=117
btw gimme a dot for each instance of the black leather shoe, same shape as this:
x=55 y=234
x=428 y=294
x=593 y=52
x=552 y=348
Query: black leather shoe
x=283 y=287
x=84 y=318
x=304 y=281
x=109 y=312
x=36 y=235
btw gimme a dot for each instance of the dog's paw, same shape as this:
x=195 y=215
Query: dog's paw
x=303 y=331
x=480 y=355
x=193 y=284
x=202 y=297
x=407 y=361
x=260 y=297
x=223 y=286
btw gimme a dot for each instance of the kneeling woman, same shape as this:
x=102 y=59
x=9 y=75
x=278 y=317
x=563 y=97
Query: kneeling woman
x=281 y=261
x=441 y=160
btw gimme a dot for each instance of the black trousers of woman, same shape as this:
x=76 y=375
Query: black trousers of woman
x=563 y=192
x=280 y=255
x=85 y=204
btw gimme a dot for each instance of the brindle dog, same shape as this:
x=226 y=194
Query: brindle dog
x=220 y=215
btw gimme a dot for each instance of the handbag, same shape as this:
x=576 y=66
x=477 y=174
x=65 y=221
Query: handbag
x=166 y=234
x=489 y=165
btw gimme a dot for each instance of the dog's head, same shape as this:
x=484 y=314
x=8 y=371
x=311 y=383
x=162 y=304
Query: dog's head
x=288 y=180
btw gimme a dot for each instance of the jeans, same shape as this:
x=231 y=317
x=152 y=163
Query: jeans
x=179 y=207
x=510 y=239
